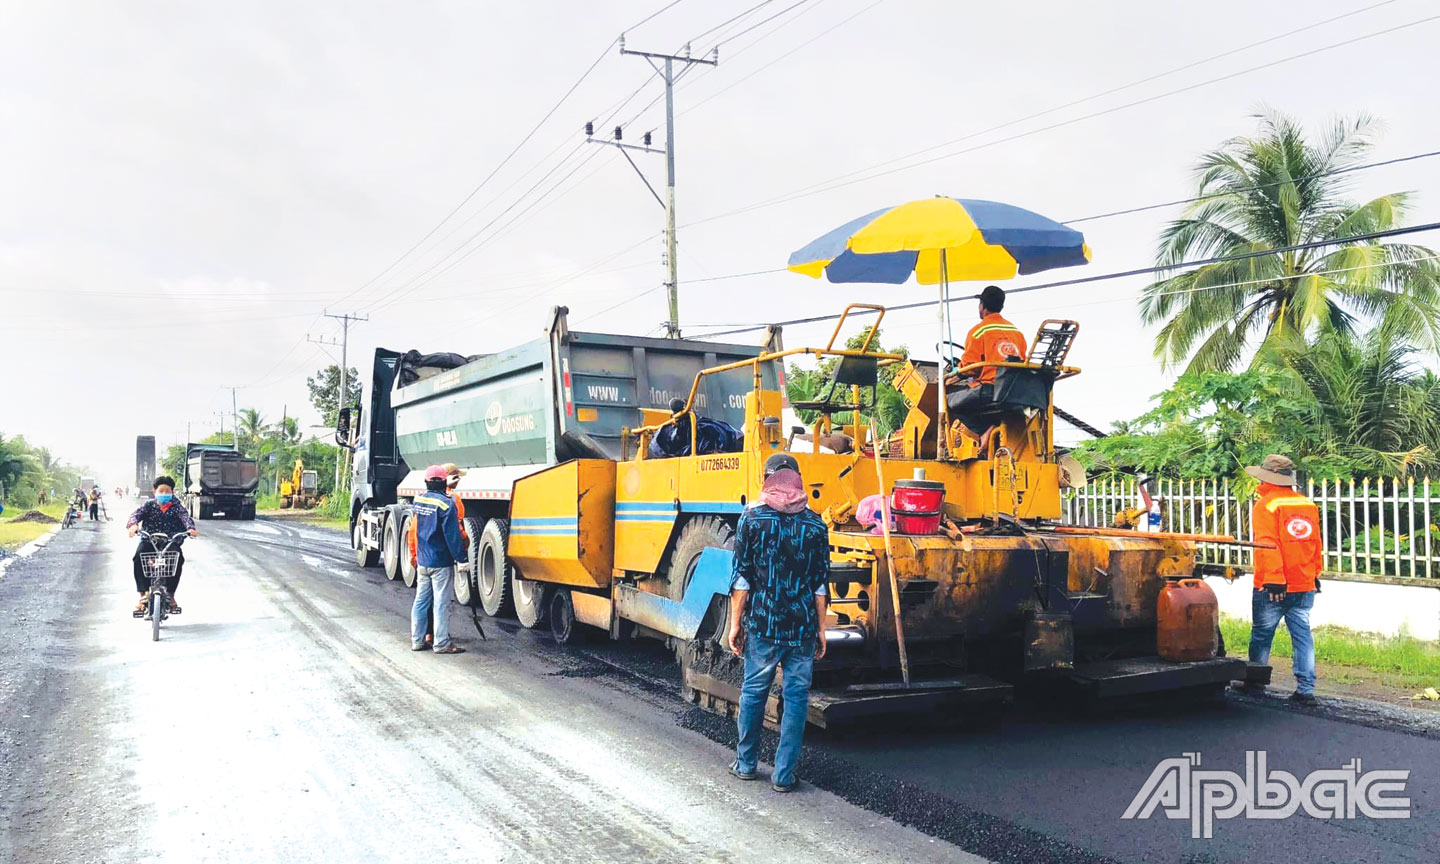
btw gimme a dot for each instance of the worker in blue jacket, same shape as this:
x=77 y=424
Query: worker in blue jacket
x=438 y=548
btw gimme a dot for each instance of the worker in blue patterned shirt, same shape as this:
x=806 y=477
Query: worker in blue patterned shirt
x=779 y=590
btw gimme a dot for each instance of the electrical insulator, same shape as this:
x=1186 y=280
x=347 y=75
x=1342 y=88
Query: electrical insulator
x=647 y=139
x=617 y=133
x=589 y=130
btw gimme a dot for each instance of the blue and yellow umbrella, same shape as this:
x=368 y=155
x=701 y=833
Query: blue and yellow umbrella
x=942 y=240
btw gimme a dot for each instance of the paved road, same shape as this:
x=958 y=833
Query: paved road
x=283 y=717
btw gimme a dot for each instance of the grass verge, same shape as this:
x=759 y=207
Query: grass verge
x=14 y=534
x=1399 y=666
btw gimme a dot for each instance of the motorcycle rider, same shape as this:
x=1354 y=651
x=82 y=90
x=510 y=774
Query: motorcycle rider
x=164 y=514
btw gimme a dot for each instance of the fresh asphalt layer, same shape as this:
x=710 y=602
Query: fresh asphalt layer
x=282 y=717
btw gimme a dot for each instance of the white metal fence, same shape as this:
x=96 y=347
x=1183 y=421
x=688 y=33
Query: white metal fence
x=1371 y=527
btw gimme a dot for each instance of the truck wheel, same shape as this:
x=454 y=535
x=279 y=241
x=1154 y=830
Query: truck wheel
x=492 y=576
x=465 y=591
x=563 y=625
x=408 y=572
x=532 y=600
x=390 y=547
x=363 y=557
x=696 y=536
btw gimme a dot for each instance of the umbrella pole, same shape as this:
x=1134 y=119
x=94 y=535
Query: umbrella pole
x=890 y=558
x=941 y=413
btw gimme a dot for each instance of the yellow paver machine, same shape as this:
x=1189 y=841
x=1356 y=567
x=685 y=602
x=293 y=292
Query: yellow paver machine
x=995 y=595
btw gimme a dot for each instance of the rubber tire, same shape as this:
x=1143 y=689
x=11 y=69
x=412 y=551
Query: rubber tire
x=407 y=573
x=492 y=576
x=363 y=557
x=466 y=593
x=157 y=613
x=563 y=626
x=697 y=535
x=532 y=600
x=390 y=547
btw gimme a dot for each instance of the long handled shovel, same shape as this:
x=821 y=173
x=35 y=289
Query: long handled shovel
x=889 y=554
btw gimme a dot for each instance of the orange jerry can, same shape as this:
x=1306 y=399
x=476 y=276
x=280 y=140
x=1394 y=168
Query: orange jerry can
x=1188 y=621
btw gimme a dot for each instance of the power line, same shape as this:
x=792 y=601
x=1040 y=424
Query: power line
x=763 y=22
x=1140 y=271
x=511 y=155
x=730 y=21
x=841 y=181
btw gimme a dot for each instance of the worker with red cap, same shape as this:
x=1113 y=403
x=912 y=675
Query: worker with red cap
x=439 y=547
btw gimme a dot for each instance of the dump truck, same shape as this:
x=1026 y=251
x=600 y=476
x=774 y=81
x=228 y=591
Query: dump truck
x=301 y=490
x=502 y=416
x=622 y=540
x=220 y=481
x=144 y=464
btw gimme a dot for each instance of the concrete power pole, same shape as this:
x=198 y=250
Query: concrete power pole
x=664 y=66
x=345 y=321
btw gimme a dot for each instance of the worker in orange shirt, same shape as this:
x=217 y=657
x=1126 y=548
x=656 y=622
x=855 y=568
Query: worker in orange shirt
x=453 y=473
x=992 y=340
x=1287 y=577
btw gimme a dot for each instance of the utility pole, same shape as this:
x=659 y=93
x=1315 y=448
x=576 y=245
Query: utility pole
x=234 y=422
x=345 y=321
x=664 y=66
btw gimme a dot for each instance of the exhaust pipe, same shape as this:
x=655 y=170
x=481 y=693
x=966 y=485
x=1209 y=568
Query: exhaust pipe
x=849 y=636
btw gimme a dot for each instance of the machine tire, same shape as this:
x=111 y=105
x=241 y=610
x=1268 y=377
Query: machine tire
x=408 y=573
x=363 y=557
x=390 y=547
x=563 y=625
x=493 y=571
x=532 y=600
x=697 y=535
x=466 y=593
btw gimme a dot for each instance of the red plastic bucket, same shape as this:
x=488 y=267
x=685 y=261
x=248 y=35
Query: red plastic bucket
x=916 y=505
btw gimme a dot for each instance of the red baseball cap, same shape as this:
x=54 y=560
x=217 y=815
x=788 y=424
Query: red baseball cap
x=435 y=472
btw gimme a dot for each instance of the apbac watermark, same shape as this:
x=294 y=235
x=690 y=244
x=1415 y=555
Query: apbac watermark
x=1181 y=790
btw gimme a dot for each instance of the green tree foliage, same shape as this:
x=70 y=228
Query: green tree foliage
x=325 y=385
x=805 y=384
x=251 y=429
x=1265 y=192
x=28 y=472
x=1339 y=407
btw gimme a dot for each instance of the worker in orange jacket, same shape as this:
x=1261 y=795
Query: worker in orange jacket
x=1287 y=576
x=453 y=473
x=992 y=340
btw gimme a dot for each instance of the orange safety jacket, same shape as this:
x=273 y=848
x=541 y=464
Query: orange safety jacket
x=992 y=340
x=412 y=536
x=1290 y=521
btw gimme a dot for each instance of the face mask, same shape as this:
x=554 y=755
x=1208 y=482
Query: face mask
x=164 y=498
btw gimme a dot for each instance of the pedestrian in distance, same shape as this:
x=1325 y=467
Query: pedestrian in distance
x=778 y=594
x=438 y=549
x=1287 y=577
x=164 y=514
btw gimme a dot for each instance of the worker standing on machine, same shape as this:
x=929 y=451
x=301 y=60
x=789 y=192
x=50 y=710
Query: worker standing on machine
x=1287 y=577
x=993 y=340
x=779 y=589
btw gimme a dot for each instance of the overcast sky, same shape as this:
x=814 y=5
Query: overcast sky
x=187 y=186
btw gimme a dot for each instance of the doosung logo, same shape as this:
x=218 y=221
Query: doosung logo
x=496 y=423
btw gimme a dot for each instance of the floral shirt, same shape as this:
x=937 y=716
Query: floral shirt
x=784 y=561
x=156 y=518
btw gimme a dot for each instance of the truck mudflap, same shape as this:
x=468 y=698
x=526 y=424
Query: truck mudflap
x=838 y=706
x=1140 y=675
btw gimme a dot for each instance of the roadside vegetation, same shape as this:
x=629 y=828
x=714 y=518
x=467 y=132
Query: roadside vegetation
x=16 y=529
x=1326 y=354
x=1386 y=668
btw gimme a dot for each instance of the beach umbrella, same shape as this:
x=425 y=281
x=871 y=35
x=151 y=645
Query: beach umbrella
x=938 y=241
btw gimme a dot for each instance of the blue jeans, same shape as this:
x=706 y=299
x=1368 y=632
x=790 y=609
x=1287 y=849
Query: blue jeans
x=432 y=587
x=1265 y=617
x=762 y=659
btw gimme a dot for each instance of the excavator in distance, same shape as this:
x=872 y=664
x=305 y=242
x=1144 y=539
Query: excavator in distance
x=301 y=491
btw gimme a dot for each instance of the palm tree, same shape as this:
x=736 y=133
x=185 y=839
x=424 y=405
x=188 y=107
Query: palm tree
x=252 y=426
x=1372 y=405
x=1278 y=190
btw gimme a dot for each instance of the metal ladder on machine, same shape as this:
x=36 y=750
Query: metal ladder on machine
x=1052 y=342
